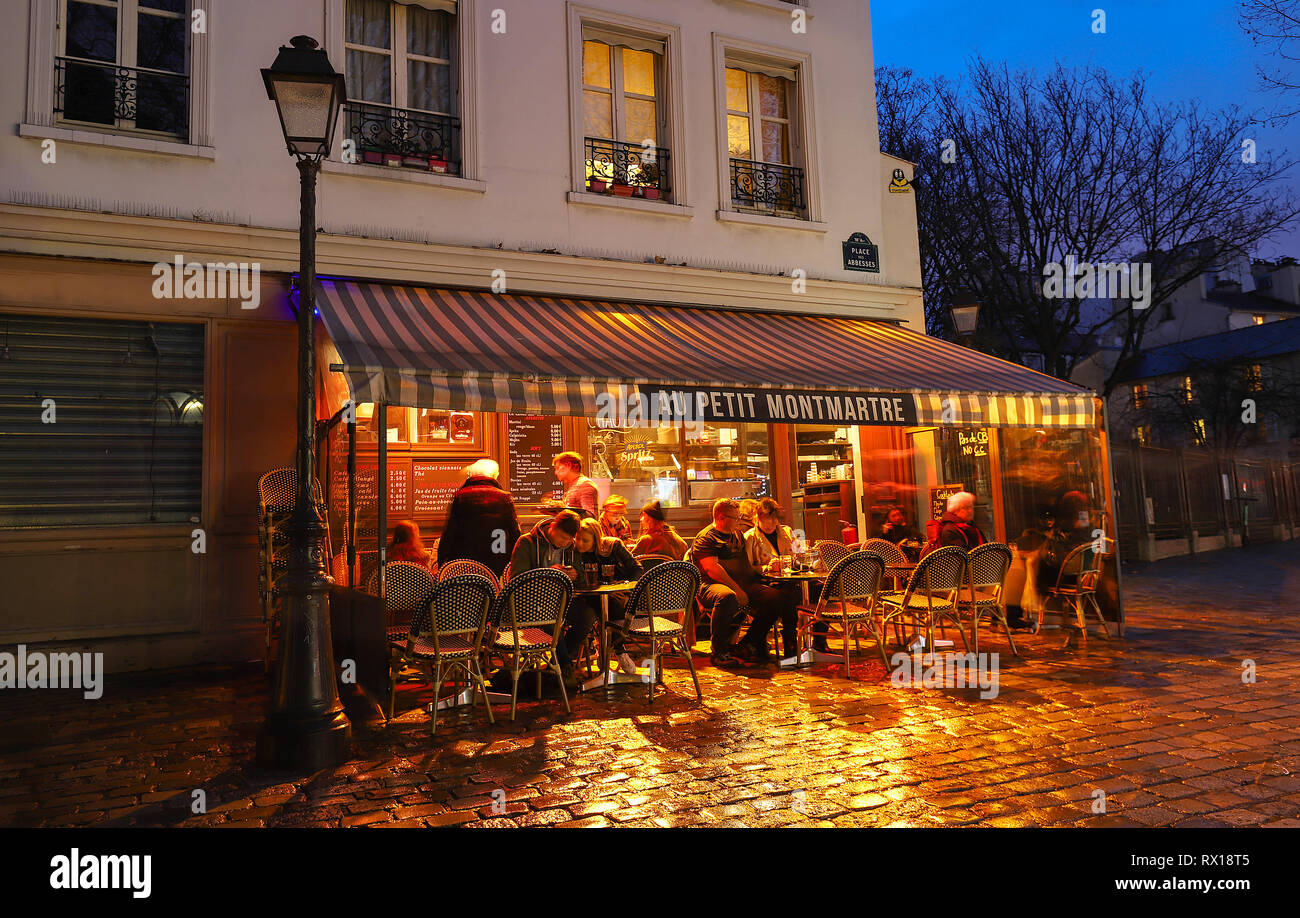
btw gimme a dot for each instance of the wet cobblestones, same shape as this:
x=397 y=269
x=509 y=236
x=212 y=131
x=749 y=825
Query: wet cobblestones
x=1160 y=722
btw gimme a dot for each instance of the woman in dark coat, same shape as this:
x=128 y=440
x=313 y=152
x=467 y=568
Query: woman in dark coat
x=482 y=524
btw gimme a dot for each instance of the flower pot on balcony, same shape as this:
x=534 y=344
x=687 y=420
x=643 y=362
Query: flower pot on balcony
x=374 y=157
x=437 y=164
x=623 y=191
x=416 y=162
x=650 y=194
x=392 y=159
x=597 y=186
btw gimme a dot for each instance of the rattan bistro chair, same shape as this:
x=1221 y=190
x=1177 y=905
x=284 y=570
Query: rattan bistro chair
x=530 y=614
x=446 y=637
x=849 y=600
x=1076 y=585
x=408 y=587
x=982 y=593
x=463 y=566
x=832 y=552
x=661 y=605
x=887 y=550
x=651 y=560
x=930 y=596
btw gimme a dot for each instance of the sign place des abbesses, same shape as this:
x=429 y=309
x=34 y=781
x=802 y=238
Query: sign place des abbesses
x=650 y=405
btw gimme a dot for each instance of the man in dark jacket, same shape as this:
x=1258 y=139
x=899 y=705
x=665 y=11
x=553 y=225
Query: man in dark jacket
x=482 y=524
x=956 y=526
x=551 y=544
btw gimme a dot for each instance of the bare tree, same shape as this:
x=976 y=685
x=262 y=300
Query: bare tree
x=1274 y=25
x=1016 y=172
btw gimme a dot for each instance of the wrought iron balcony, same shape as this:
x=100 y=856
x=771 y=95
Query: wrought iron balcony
x=627 y=169
x=384 y=134
x=768 y=188
x=125 y=98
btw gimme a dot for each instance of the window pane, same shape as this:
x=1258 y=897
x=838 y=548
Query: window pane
x=160 y=43
x=88 y=93
x=771 y=96
x=639 y=462
x=92 y=32
x=638 y=72
x=738 y=136
x=597 y=119
x=368 y=77
x=776 y=142
x=729 y=461
x=171 y=6
x=737 y=90
x=595 y=64
x=429 y=86
x=641 y=123
x=368 y=23
x=428 y=33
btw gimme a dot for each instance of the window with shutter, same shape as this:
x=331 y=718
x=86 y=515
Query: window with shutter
x=101 y=422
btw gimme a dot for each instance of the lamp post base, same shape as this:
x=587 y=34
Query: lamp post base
x=304 y=745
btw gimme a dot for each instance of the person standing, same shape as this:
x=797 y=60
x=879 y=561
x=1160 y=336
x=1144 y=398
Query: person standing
x=728 y=582
x=482 y=524
x=580 y=492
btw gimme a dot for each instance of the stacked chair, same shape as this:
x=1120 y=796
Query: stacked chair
x=276 y=493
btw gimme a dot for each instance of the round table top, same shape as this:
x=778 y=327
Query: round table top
x=797 y=575
x=623 y=586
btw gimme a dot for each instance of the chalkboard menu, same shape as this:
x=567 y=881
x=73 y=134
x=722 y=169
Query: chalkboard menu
x=939 y=498
x=434 y=485
x=533 y=442
x=399 y=481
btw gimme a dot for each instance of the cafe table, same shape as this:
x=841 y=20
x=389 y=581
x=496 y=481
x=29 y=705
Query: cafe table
x=608 y=676
x=803 y=578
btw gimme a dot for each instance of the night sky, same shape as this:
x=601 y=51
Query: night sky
x=1190 y=49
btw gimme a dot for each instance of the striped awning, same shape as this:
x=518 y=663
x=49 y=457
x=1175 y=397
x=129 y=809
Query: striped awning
x=480 y=351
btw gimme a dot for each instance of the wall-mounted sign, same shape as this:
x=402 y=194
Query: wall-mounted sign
x=462 y=427
x=899 y=184
x=860 y=254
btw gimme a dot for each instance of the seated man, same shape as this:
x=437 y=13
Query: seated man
x=550 y=544
x=729 y=581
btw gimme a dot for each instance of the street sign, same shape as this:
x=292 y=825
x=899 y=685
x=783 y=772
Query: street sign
x=860 y=254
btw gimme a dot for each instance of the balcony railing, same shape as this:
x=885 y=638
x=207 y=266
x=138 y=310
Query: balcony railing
x=767 y=188
x=125 y=98
x=627 y=169
x=390 y=136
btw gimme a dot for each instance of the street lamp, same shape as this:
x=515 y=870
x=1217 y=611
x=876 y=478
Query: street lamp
x=305 y=728
x=965 y=311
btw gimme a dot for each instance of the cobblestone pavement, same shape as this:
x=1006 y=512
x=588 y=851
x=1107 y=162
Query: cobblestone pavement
x=1161 y=721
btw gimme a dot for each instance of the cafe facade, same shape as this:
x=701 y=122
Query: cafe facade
x=516 y=292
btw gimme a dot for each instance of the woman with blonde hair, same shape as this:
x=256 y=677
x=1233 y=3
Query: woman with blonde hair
x=597 y=551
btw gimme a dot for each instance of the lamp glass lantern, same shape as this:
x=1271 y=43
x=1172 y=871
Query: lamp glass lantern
x=308 y=94
x=965 y=311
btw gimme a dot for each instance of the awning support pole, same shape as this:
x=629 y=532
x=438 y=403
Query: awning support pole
x=381 y=411
x=352 y=500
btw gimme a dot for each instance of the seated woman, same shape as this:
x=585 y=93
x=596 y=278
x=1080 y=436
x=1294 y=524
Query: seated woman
x=764 y=546
x=657 y=537
x=594 y=551
x=613 y=518
x=407 y=545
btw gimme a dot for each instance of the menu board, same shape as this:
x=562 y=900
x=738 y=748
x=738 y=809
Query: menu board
x=399 y=478
x=533 y=442
x=433 y=484
x=939 y=498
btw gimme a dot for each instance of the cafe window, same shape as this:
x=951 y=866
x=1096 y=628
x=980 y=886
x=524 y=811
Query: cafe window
x=948 y=458
x=727 y=461
x=639 y=463
x=1039 y=467
x=422 y=427
x=101 y=421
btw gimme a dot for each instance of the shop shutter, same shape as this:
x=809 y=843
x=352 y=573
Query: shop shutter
x=125 y=445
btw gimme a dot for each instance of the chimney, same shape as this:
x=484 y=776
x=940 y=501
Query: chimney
x=1286 y=283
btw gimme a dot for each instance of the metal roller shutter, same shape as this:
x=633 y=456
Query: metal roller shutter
x=125 y=445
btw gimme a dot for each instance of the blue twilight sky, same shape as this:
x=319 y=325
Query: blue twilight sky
x=1190 y=49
